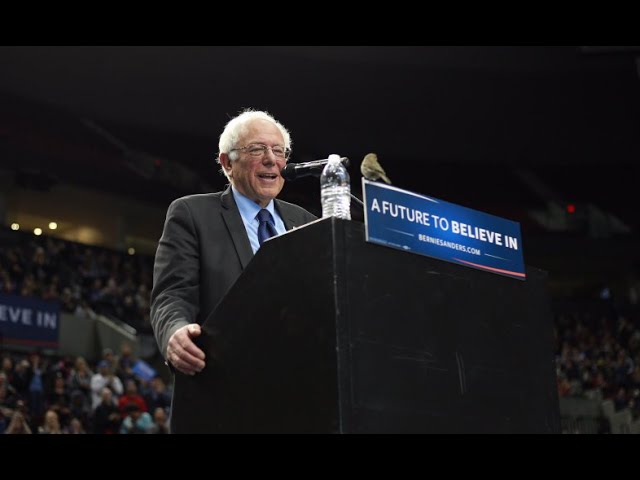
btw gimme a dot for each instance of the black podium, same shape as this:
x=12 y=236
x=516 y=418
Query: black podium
x=324 y=332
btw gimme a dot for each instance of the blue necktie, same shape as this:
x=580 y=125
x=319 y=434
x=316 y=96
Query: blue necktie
x=266 y=229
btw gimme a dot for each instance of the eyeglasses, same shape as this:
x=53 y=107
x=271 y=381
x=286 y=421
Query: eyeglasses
x=260 y=150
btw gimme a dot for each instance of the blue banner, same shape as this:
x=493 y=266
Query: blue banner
x=428 y=226
x=29 y=321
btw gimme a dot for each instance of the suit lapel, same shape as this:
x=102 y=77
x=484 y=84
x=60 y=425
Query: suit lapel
x=238 y=233
x=285 y=214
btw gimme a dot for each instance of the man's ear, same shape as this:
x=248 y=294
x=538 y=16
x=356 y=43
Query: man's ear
x=225 y=161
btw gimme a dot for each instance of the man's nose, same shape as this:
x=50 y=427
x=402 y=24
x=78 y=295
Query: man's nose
x=269 y=158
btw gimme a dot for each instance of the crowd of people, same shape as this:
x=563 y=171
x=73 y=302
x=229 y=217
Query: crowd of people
x=598 y=348
x=44 y=394
x=84 y=280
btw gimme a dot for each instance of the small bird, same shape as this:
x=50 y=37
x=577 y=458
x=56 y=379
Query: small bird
x=371 y=169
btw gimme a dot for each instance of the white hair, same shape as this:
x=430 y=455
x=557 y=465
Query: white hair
x=238 y=126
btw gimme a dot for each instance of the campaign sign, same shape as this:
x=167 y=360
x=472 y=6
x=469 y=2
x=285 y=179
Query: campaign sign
x=29 y=321
x=143 y=370
x=427 y=226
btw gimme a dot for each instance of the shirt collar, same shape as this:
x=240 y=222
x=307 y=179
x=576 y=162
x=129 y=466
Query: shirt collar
x=248 y=208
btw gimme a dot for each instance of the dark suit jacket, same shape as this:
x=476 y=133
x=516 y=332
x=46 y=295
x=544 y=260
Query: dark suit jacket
x=203 y=249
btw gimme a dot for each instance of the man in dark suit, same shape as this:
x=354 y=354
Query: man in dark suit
x=209 y=239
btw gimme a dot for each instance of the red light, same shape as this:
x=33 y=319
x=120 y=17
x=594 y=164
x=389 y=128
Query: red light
x=571 y=208
x=157 y=162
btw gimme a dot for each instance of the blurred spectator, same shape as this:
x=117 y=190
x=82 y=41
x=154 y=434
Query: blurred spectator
x=160 y=422
x=104 y=379
x=80 y=377
x=106 y=417
x=59 y=399
x=7 y=368
x=75 y=427
x=22 y=377
x=136 y=421
x=157 y=395
x=131 y=396
x=36 y=386
x=51 y=423
x=80 y=407
x=110 y=359
x=18 y=425
x=125 y=363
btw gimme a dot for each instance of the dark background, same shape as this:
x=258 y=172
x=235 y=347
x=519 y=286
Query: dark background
x=507 y=130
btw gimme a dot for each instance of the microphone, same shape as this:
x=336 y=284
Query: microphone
x=293 y=171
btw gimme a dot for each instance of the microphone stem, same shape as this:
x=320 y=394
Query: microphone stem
x=358 y=201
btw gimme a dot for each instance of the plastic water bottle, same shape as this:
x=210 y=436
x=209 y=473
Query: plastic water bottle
x=335 y=189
